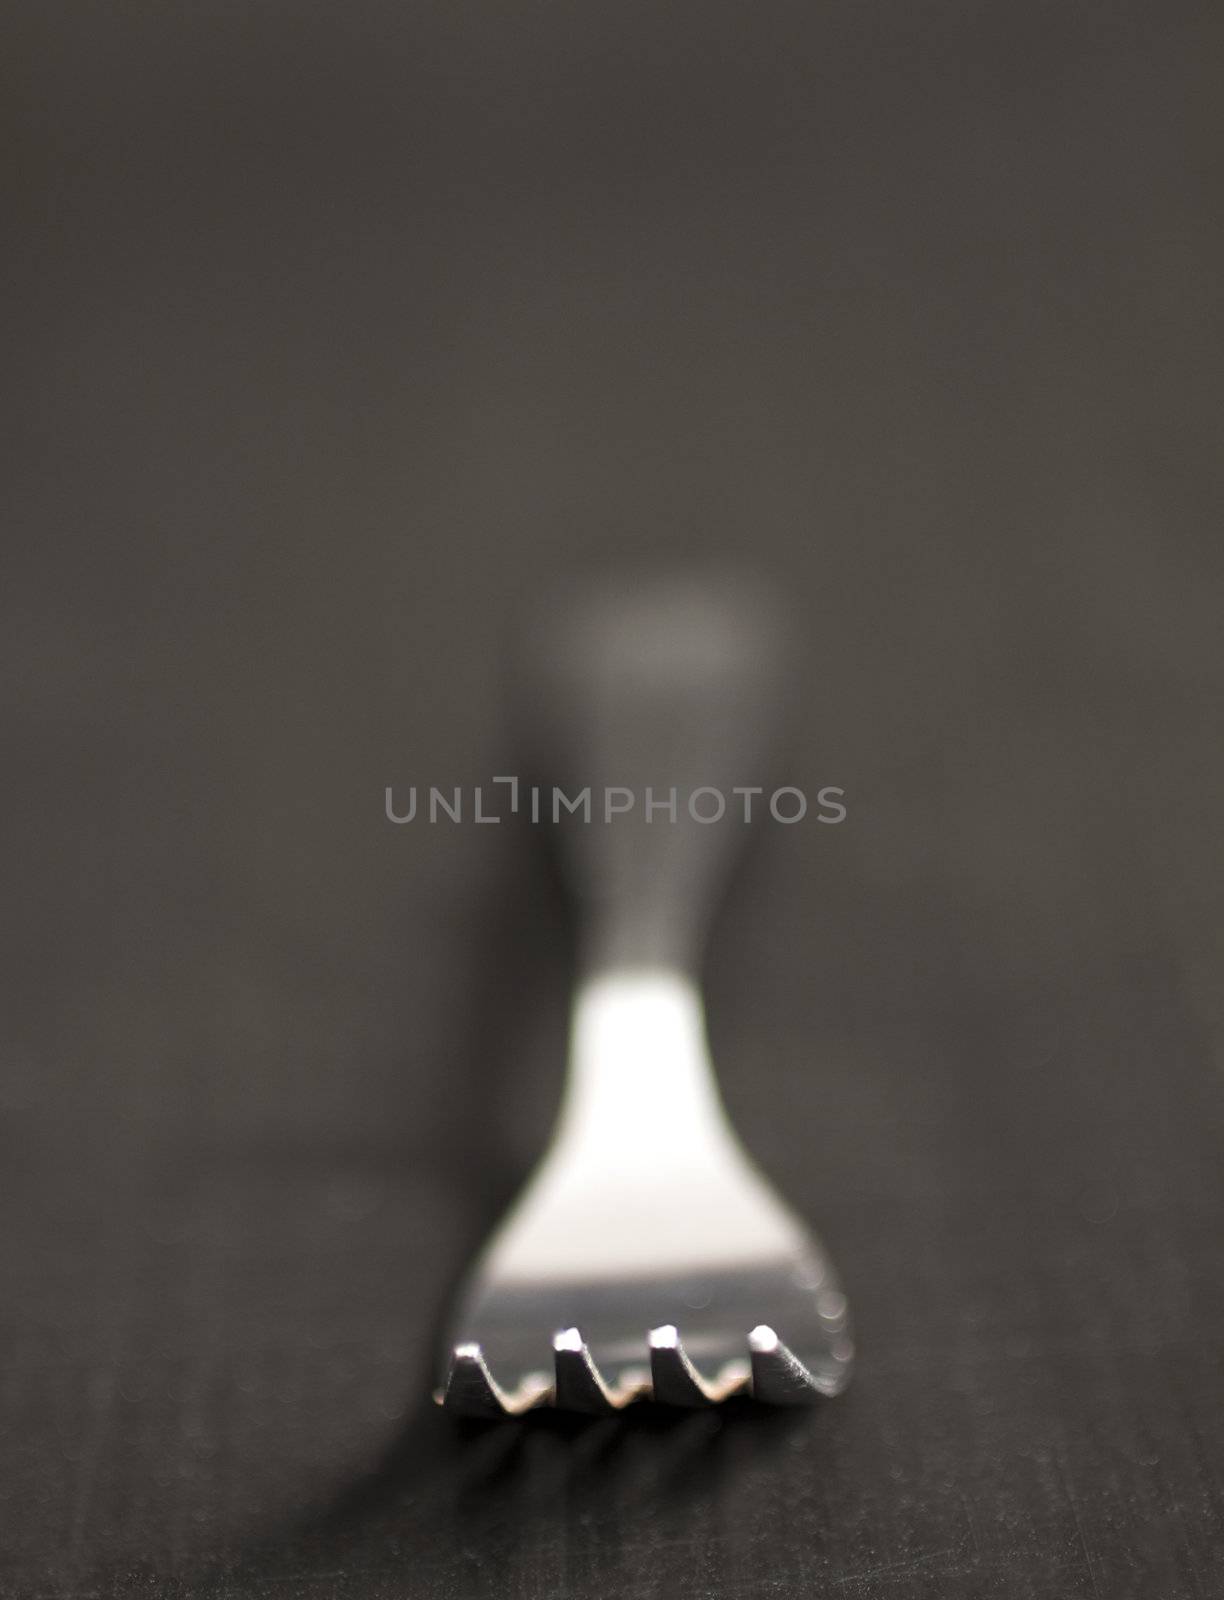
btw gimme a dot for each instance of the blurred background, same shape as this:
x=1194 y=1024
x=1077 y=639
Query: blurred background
x=337 y=332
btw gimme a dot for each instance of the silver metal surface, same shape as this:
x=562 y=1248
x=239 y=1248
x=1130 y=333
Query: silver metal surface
x=647 y=1257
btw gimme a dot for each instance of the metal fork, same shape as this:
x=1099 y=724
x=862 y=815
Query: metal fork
x=648 y=1257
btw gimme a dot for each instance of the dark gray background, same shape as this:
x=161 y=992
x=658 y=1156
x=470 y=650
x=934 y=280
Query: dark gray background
x=339 y=331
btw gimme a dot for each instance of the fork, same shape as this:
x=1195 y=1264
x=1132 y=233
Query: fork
x=647 y=1256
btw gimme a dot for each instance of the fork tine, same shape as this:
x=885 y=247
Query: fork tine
x=470 y=1388
x=780 y=1378
x=579 y=1386
x=675 y=1379
x=472 y=1391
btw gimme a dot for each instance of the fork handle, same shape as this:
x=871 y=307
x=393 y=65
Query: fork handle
x=660 y=701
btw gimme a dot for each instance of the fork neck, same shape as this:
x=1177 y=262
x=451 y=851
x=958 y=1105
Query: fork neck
x=640 y=1080
x=645 y=902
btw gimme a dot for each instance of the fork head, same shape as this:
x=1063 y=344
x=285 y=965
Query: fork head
x=648 y=1258
x=614 y=1340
